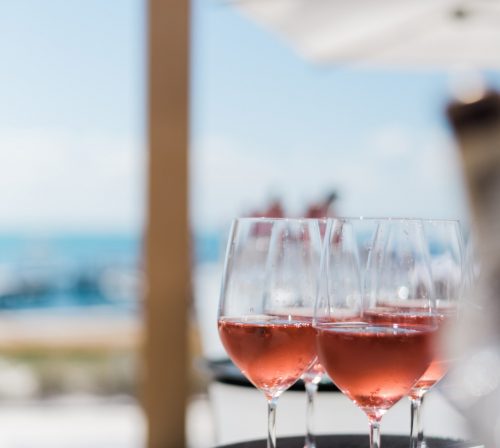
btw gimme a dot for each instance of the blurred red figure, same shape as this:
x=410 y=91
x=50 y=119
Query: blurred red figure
x=323 y=209
x=274 y=210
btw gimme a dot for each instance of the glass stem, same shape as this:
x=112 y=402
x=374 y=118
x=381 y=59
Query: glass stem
x=416 y=430
x=271 y=422
x=311 y=389
x=374 y=433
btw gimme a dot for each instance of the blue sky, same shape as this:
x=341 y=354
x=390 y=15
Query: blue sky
x=269 y=123
x=264 y=122
x=75 y=65
x=71 y=115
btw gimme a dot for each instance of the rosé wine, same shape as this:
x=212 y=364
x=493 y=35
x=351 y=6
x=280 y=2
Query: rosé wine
x=374 y=364
x=402 y=315
x=271 y=353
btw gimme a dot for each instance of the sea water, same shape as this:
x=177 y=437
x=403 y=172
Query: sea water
x=66 y=273
x=71 y=271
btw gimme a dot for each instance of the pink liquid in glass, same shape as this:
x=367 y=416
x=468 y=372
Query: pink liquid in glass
x=416 y=316
x=272 y=354
x=375 y=365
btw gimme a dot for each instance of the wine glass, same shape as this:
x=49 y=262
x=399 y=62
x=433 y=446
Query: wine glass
x=363 y=228
x=446 y=257
x=371 y=354
x=311 y=379
x=267 y=299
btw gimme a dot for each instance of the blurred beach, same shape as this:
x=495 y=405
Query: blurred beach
x=70 y=272
x=72 y=303
x=70 y=333
x=70 y=314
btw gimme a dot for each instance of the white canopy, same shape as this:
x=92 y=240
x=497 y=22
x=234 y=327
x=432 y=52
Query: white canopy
x=413 y=33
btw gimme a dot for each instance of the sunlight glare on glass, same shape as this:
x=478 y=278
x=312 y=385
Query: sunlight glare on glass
x=403 y=292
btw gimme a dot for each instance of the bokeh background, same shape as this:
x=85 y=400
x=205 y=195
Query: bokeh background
x=269 y=131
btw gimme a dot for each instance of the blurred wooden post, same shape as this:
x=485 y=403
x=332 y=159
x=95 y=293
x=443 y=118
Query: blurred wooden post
x=167 y=261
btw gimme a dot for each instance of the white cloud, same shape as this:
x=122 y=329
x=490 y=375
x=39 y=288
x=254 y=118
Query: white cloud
x=390 y=142
x=396 y=172
x=51 y=179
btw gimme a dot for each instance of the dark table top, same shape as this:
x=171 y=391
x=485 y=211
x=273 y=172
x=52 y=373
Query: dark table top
x=224 y=371
x=353 y=441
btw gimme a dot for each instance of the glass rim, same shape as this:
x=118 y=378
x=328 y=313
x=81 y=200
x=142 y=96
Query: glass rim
x=345 y=219
x=394 y=218
x=276 y=219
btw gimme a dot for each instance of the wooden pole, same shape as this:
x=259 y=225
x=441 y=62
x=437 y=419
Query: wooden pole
x=167 y=260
